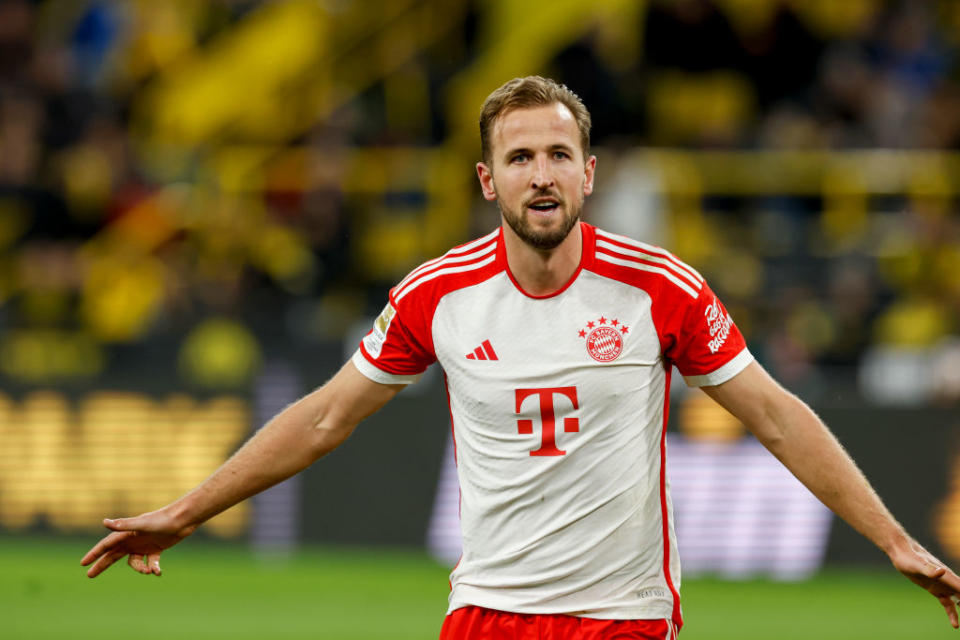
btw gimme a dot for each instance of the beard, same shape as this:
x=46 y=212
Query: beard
x=543 y=239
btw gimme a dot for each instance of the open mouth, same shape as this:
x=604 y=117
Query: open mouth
x=544 y=206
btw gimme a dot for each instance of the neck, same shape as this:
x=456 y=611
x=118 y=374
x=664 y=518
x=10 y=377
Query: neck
x=542 y=272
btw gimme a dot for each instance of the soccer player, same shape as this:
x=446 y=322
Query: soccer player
x=557 y=341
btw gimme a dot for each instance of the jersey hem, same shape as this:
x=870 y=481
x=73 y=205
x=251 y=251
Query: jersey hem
x=718 y=376
x=662 y=612
x=379 y=375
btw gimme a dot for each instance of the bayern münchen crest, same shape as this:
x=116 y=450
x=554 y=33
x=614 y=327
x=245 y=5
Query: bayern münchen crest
x=604 y=338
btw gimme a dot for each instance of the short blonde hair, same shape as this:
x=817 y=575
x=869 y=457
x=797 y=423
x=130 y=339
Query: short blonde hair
x=532 y=91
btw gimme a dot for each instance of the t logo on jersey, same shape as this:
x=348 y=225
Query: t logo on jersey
x=548 y=418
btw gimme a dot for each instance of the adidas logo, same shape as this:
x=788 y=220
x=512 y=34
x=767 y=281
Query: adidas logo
x=483 y=352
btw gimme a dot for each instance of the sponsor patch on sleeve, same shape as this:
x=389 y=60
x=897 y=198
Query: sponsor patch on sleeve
x=375 y=339
x=719 y=323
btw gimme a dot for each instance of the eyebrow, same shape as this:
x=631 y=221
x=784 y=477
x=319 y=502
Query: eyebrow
x=553 y=147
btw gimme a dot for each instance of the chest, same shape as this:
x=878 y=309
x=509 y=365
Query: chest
x=583 y=364
x=596 y=322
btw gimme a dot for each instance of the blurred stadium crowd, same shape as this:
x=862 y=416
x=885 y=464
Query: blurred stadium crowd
x=228 y=178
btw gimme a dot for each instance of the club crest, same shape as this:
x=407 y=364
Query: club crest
x=604 y=338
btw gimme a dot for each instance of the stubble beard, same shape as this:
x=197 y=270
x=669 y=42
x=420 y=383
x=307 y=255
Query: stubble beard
x=545 y=239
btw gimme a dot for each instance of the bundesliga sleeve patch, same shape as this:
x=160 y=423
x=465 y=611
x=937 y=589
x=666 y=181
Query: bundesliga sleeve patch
x=375 y=339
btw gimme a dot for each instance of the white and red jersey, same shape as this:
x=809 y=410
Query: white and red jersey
x=559 y=406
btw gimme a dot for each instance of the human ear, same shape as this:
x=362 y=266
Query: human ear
x=588 y=172
x=485 y=175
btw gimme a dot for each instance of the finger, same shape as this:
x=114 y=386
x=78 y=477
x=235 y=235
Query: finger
x=945 y=585
x=950 y=604
x=105 y=545
x=123 y=524
x=951 y=579
x=135 y=562
x=933 y=570
x=153 y=561
x=138 y=562
x=104 y=563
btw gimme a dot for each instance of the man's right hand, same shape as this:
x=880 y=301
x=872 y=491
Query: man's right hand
x=142 y=538
x=927 y=572
x=293 y=440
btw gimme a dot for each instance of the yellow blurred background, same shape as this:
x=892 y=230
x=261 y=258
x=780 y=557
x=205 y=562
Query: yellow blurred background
x=192 y=190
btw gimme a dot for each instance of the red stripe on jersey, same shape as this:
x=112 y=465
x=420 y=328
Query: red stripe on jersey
x=480 y=354
x=457 y=255
x=488 y=348
x=634 y=245
x=453 y=435
x=640 y=265
x=470 y=262
x=390 y=367
x=416 y=301
x=634 y=255
x=478 y=244
x=677 y=617
x=453 y=432
x=446 y=259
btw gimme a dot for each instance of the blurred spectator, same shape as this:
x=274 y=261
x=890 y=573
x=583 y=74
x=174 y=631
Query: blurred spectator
x=690 y=35
x=17 y=20
x=781 y=57
x=21 y=120
x=107 y=231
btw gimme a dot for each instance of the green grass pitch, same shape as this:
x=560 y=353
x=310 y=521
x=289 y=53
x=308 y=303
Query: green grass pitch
x=212 y=590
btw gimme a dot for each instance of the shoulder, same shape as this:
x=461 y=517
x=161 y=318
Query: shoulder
x=644 y=265
x=463 y=266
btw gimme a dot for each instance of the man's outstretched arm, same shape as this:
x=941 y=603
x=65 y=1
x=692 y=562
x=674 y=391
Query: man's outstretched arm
x=295 y=438
x=799 y=439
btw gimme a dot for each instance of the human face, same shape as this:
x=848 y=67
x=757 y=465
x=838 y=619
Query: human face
x=537 y=173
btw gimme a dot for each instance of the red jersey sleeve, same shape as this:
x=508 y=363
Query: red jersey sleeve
x=398 y=349
x=700 y=338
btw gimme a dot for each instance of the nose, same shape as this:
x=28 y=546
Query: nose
x=542 y=176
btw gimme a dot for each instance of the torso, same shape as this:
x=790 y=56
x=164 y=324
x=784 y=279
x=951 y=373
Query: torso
x=559 y=409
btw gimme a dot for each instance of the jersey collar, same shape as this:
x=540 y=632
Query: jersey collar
x=586 y=260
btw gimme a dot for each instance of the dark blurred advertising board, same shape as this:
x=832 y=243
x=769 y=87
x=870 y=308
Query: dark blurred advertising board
x=67 y=459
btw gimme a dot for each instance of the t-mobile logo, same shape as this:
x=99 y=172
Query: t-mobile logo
x=548 y=419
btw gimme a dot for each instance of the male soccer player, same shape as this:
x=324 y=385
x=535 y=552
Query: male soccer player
x=557 y=340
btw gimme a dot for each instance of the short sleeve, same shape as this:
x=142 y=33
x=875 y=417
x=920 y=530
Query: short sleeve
x=393 y=352
x=704 y=343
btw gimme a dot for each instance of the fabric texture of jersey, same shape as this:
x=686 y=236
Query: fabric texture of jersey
x=559 y=407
